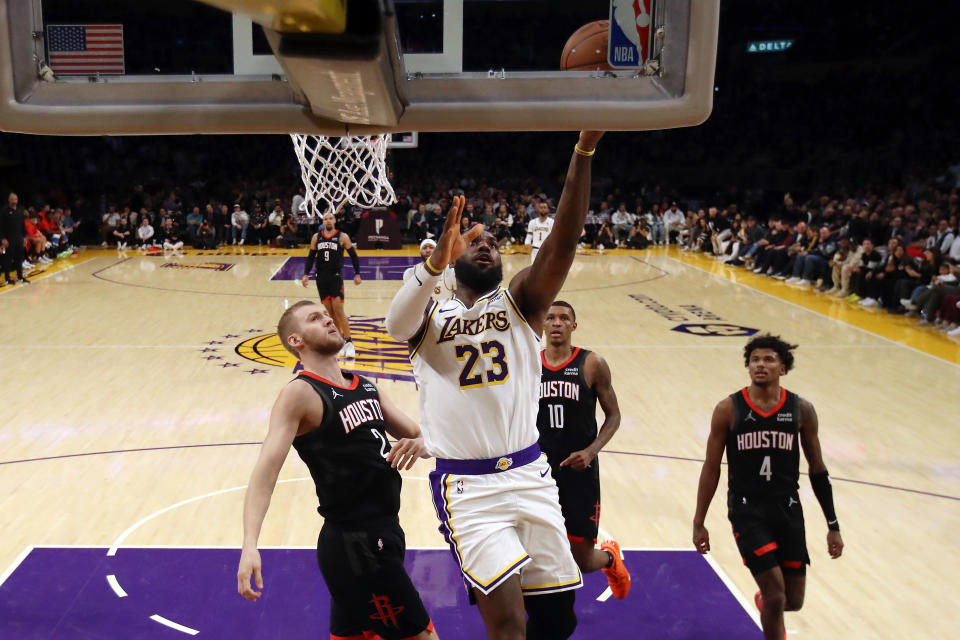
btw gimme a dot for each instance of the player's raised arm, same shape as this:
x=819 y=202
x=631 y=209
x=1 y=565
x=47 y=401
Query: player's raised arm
x=406 y=316
x=819 y=478
x=284 y=422
x=535 y=288
x=720 y=425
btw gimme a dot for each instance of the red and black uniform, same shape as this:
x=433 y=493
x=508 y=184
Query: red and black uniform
x=361 y=546
x=567 y=422
x=763 y=454
x=329 y=265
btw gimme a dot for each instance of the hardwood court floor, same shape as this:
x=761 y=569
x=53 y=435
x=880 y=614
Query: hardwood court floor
x=128 y=387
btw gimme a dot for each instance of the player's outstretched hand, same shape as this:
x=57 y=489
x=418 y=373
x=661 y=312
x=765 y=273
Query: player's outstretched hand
x=701 y=538
x=451 y=243
x=589 y=139
x=356 y=279
x=249 y=565
x=304 y=280
x=578 y=460
x=405 y=452
x=834 y=544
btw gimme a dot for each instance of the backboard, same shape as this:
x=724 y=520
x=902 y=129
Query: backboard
x=181 y=66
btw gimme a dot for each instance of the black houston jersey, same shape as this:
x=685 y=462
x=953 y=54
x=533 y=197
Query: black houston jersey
x=763 y=452
x=567 y=419
x=346 y=453
x=329 y=254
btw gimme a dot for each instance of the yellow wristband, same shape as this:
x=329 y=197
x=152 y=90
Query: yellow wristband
x=432 y=270
x=583 y=152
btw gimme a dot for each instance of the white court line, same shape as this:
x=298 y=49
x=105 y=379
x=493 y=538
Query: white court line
x=117 y=589
x=750 y=609
x=173 y=625
x=16 y=563
x=123 y=536
x=275 y=271
x=822 y=315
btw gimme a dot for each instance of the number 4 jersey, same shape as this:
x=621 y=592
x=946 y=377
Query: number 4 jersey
x=346 y=453
x=763 y=452
x=478 y=370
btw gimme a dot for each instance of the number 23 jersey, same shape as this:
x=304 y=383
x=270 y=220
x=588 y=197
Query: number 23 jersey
x=478 y=370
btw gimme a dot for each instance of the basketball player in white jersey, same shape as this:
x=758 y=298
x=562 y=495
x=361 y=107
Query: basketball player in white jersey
x=448 y=281
x=538 y=229
x=476 y=358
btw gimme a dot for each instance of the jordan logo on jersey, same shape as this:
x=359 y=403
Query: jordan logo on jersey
x=454 y=326
x=750 y=417
x=356 y=413
x=335 y=394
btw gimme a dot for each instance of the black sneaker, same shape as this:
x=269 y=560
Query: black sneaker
x=24 y=280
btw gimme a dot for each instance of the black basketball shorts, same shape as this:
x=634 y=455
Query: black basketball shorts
x=369 y=587
x=769 y=532
x=329 y=288
x=579 y=500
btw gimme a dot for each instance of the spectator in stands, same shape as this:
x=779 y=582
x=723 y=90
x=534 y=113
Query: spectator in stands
x=109 y=222
x=943 y=238
x=290 y=240
x=639 y=235
x=36 y=242
x=805 y=241
x=844 y=262
x=870 y=262
x=239 y=220
x=145 y=234
x=658 y=232
x=170 y=236
x=123 y=234
x=604 y=238
x=206 y=238
x=673 y=222
x=274 y=222
x=781 y=237
x=811 y=266
x=620 y=221
x=258 y=225
x=945 y=284
x=194 y=218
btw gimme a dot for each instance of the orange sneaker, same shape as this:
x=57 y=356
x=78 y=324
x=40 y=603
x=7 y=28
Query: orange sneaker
x=617 y=574
x=758 y=600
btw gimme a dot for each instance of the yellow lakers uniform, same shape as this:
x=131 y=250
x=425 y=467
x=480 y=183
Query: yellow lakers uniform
x=478 y=370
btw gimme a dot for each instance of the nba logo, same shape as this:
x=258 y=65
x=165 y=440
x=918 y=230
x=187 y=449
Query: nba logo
x=630 y=22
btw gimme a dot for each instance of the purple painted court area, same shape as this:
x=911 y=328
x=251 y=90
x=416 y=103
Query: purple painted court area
x=61 y=593
x=386 y=268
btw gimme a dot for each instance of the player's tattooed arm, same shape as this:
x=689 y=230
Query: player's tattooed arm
x=819 y=477
x=720 y=425
x=285 y=418
x=536 y=287
x=599 y=378
x=409 y=446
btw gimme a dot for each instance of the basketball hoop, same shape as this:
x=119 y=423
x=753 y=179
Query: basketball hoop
x=352 y=169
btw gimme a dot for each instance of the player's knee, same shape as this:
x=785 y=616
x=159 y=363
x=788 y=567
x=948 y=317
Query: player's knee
x=775 y=599
x=794 y=602
x=551 y=616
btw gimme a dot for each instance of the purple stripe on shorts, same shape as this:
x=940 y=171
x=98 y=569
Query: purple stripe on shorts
x=490 y=465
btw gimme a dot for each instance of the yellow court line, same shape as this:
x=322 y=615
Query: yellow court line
x=57 y=266
x=896 y=328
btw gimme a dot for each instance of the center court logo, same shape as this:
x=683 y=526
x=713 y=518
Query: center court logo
x=378 y=354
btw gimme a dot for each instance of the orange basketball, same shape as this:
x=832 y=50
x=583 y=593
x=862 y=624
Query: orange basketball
x=586 y=49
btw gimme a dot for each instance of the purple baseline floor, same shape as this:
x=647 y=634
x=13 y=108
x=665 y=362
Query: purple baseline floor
x=386 y=268
x=61 y=593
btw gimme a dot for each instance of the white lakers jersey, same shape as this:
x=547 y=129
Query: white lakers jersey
x=539 y=230
x=444 y=289
x=478 y=370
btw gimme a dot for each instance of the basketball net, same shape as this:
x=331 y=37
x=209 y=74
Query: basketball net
x=349 y=168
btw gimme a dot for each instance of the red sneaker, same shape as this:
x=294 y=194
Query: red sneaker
x=758 y=600
x=617 y=574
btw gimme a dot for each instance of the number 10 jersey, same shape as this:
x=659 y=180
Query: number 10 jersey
x=478 y=370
